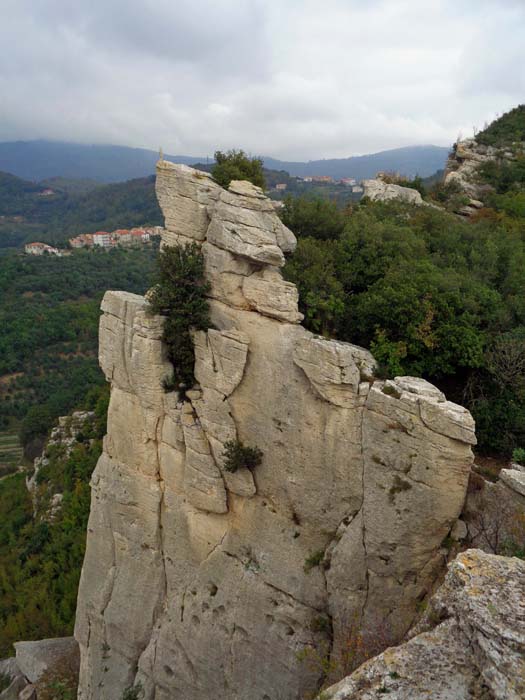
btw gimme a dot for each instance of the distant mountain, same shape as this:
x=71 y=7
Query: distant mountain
x=409 y=161
x=41 y=160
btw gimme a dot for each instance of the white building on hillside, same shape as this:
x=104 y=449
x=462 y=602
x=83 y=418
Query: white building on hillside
x=37 y=248
x=103 y=239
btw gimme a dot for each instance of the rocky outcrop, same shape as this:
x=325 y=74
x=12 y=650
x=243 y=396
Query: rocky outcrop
x=34 y=659
x=462 y=171
x=39 y=666
x=379 y=191
x=13 y=680
x=63 y=439
x=199 y=582
x=470 y=643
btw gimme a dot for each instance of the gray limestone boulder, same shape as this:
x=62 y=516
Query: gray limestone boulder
x=471 y=642
x=379 y=191
x=35 y=658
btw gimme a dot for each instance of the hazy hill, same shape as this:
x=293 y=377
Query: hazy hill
x=409 y=161
x=72 y=209
x=40 y=160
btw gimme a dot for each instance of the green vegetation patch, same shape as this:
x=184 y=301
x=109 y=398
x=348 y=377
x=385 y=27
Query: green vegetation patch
x=238 y=456
x=49 y=314
x=40 y=559
x=180 y=295
x=505 y=130
x=236 y=165
x=432 y=295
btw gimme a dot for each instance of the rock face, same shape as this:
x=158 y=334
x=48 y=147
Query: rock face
x=379 y=191
x=34 y=659
x=462 y=170
x=202 y=583
x=63 y=437
x=471 y=642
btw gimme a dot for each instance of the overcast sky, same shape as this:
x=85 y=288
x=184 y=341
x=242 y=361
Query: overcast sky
x=293 y=79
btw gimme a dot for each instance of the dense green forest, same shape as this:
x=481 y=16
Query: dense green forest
x=41 y=557
x=431 y=294
x=76 y=207
x=49 y=310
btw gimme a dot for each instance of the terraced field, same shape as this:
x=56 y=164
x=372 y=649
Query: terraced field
x=10 y=453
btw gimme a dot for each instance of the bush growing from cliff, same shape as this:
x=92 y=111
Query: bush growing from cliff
x=236 y=165
x=180 y=295
x=134 y=692
x=238 y=456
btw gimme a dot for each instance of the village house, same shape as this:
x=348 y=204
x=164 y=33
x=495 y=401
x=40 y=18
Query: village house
x=102 y=239
x=38 y=248
x=122 y=237
x=281 y=186
x=83 y=240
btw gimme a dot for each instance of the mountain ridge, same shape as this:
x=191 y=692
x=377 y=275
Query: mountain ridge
x=41 y=159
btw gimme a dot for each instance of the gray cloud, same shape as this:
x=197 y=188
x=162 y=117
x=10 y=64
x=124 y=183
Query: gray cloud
x=290 y=78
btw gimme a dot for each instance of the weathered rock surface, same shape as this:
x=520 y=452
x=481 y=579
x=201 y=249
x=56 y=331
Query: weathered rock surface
x=36 y=658
x=471 y=642
x=63 y=437
x=379 y=191
x=462 y=171
x=9 y=670
x=514 y=479
x=201 y=583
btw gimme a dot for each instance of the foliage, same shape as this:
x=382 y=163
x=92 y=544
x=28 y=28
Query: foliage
x=315 y=559
x=134 y=692
x=313 y=216
x=236 y=165
x=504 y=176
x=433 y=296
x=49 y=311
x=321 y=295
x=180 y=295
x=238 y=456
x=40 y=561
x=505 y=130
x=518 y=455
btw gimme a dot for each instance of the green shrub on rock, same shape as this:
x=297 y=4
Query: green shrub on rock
x=238 y=456
x=236 y=165
x=180 y=295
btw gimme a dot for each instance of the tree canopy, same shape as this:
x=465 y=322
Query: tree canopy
x=236 y=165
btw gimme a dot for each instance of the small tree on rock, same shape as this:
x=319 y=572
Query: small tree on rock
x=236 y=165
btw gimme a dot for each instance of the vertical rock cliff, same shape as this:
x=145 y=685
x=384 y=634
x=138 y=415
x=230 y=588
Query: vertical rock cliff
x=204 y=584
